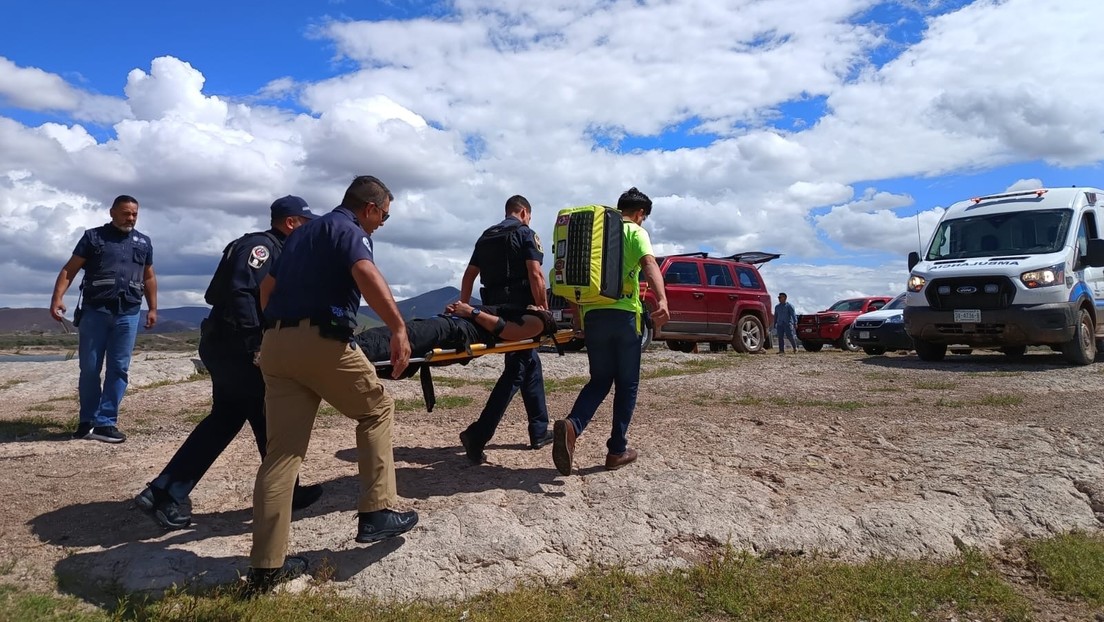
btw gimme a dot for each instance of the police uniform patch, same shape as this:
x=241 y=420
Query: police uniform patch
x=536 y=240
x=258 y=256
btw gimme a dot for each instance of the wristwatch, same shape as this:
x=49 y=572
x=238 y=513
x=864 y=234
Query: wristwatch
x=475 y=312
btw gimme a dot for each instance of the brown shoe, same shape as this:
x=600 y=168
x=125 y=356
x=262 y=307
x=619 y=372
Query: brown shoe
x=563 y=445
x=616 y=461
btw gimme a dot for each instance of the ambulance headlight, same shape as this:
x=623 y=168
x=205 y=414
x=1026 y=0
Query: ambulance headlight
x=916 y=283
x=1046 y=277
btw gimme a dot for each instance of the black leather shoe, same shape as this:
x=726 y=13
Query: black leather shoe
x=383 y=524
x=544 y=440
x=305 y=496
x=261 y=580
x=473 y=451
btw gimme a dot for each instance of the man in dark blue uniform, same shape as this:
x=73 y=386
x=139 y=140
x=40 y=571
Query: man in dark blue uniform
x=507 y=259
x=310 y=302
x=229 y=342
x=118 y=271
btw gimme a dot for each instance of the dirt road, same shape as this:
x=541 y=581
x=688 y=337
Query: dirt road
x=842 y=454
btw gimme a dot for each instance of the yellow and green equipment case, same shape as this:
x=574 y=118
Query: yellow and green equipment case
x=587 y=256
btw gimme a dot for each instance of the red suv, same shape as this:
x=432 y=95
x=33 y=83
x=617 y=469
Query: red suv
x=830 y=327
x=722 y=300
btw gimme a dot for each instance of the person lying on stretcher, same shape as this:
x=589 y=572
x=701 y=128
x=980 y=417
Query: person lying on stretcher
x=460 y=327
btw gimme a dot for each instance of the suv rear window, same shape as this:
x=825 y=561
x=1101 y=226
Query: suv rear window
x=748 y=278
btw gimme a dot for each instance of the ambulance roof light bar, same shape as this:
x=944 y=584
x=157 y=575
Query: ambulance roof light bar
x=1038 y=193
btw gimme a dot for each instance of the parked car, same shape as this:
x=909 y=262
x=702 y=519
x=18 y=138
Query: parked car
x=719 y=300
x=829 y=327
x=881 y=331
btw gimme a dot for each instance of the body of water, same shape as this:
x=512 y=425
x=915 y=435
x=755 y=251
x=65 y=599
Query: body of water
x=35 y=358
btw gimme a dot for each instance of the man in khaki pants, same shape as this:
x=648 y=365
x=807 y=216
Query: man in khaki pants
x=310 y=299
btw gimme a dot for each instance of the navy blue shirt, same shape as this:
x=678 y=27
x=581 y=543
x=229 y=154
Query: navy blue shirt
x=314 y=272
x=114 y=268
x=235 y=287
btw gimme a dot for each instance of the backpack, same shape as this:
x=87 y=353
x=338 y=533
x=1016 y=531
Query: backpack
x=587 y=255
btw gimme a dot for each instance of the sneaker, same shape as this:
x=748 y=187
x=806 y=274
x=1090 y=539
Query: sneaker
x=145 y=499
x=170 y=515
x=563 y=445
x=262 y=580
x=305 y=496
x=616 y=461
x=473 y=451
x=383 y=524
x=83 y=430
x=543 y=441
x=107 y=434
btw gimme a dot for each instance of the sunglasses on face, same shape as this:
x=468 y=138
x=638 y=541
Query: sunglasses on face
x=385 y=214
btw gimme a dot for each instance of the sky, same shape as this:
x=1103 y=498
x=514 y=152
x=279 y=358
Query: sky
x=833 y=132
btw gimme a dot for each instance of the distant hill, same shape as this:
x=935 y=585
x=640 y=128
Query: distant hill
x=424 y=305
x=31 y=321
x=34 y=321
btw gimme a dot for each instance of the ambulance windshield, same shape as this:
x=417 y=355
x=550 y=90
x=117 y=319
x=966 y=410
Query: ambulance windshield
x=1006 y=233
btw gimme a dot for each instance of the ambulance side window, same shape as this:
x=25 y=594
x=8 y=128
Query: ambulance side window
x=1087 y=231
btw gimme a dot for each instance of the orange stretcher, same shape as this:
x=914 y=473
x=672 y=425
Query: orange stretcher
x=442 y=357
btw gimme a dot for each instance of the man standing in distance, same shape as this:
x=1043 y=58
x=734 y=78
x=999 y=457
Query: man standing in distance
x=785 y=318
x=118 y=270
x=612 y=335
x=507 y=259
x=310 y=301
x=228 y=344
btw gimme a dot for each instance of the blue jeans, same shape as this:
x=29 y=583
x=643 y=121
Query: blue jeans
x=613 y=351
x=522 y=371
x=786 y=332
x=104 y=335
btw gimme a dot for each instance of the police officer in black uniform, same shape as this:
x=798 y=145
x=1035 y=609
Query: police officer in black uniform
x=229 y=341
x=507 y=259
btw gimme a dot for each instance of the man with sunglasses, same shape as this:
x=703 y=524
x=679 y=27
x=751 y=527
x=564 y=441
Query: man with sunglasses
x=310 y=302
x=228 y=344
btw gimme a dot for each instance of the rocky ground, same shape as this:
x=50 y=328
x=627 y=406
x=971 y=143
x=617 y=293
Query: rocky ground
x=831 y=453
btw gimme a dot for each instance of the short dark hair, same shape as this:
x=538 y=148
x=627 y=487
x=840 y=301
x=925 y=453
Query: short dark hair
x=366 y=189
x=782 y=294
x=632 y=200
x=517 y=203
x=123 y=198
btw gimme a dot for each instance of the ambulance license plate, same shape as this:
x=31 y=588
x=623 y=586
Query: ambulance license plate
x=967 y=316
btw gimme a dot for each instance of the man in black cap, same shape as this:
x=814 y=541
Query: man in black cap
x=229 y=341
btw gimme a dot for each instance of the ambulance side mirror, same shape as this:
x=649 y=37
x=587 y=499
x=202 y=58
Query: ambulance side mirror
x=914 y=258
x=1094 y=255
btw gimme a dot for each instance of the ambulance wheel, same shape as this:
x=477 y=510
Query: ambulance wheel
x=1081 y=350
x=928 y=351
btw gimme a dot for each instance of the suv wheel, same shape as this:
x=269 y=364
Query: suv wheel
x=681 y=346
x=645 y=337
x=750 y=336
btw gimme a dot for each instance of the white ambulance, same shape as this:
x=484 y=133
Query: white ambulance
x=1009 y=271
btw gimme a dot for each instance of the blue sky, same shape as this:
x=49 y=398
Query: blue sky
x=820 y=129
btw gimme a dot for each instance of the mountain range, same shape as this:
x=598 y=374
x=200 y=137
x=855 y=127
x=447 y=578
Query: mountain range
x=37 y=321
